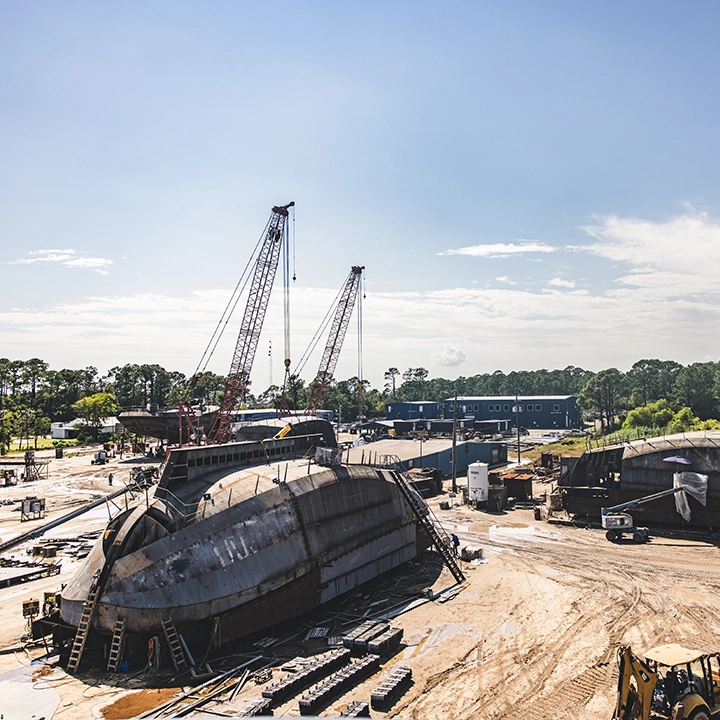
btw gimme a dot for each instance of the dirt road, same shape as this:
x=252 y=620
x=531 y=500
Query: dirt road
x=532 y=635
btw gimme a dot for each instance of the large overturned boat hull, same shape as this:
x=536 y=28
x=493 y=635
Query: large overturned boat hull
x=164 y=424
x=610 y=476
x=237 y=549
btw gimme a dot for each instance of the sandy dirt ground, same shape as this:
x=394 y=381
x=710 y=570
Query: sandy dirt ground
x=531 y=635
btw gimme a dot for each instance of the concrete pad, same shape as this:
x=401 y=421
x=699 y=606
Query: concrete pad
x=26 y=695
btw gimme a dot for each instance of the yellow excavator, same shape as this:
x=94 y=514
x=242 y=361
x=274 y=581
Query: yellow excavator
x=670 y=682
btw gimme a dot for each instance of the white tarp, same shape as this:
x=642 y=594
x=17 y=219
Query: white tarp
x=695 y=485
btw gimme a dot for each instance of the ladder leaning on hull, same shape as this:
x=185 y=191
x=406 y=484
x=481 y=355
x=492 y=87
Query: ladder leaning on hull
x=84 y=626
x=116 y=647
x=422 y=513
x=173 y=641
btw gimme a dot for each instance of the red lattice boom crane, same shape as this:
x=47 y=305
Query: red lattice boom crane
x=238 y=378
x=341 y=320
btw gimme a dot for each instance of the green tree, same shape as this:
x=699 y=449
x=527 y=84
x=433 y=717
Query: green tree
x=605 y=393
x=413 y=386
x=694 y=388
x=651 y=380
x=33 y=374
x=93 y=409
x=390 y=375
x=653 y=415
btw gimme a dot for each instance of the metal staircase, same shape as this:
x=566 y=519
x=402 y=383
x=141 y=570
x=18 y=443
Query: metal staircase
x=424 y=515
x=116 y=647
x=173 y=641
x=84 y=625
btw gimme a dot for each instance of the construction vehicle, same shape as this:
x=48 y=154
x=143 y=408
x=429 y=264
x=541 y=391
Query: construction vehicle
x=616 y=522
x=99 y=458
x=670 y=682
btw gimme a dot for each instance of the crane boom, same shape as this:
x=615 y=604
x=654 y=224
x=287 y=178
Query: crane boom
x=336 y=336
x=262 y=281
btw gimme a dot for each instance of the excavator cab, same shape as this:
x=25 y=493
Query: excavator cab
x=670 y=682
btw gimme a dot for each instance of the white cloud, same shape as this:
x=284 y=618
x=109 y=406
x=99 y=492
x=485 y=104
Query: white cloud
x=67 y=258
x=502 y=327
x=499 y=250
x=448 y=356
x=505 y=279
x=559 y=282
x=678 y=258
x=666 y=306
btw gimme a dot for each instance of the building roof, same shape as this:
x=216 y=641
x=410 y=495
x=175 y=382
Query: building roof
x=519 y=398
x=403 y=449
x=77 y=422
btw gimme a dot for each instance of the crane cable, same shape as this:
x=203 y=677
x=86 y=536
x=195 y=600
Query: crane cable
x=361 y=297
x=286 y=301
x=228 y=311
x=318 y=333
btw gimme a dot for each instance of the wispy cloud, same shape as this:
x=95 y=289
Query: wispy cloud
x=67 y=258
x=499 y=250
x=678 y=257
x=505 y=279
x=665 y=306
x=559 y=282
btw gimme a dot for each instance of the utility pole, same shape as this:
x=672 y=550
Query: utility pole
x=454 y=445
x=517 y=422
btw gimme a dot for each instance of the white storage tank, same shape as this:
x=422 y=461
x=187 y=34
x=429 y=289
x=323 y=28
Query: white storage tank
x=478 y=482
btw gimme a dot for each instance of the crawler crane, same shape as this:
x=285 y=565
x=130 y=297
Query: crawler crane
x=238 y=378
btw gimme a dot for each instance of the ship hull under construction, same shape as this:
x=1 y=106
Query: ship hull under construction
x=606 y=477
x=228 y=551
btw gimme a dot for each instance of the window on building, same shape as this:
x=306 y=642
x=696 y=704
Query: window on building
x=520 y=408
x=477 y=407
x=506 y=408
x=538 y=408
x=530 y=408
x=556 y=408
x=451 y=407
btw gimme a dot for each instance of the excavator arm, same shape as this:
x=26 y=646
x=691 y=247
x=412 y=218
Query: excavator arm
x=636 y=684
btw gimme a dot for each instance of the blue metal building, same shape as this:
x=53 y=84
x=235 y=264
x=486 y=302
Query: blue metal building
x=434 y=452
x=422 y=410
x=533 y=411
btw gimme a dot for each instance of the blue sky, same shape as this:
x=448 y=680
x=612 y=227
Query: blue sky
x=528 y=184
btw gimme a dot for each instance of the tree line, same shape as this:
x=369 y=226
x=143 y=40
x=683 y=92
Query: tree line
x=32 y=395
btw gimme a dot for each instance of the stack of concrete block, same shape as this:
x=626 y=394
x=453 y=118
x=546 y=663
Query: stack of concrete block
x=261 y=706
x=294 y=684
x=358 y=639
x=387 y=694
x=356 y=709
x=386 y=643
x=340 y=682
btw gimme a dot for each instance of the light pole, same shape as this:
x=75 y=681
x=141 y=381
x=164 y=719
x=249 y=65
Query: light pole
x=454 y=445
x=517 y=422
